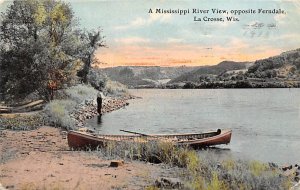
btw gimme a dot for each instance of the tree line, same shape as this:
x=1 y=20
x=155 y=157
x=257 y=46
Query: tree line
x=42 y=48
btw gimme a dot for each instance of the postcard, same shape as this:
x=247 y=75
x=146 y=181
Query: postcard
x=160 y=94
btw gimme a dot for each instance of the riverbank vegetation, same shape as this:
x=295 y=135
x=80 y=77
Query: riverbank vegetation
x=59 y=112
x=21 y=121
x=45 y=55
x=203 y=169
x=43 y=49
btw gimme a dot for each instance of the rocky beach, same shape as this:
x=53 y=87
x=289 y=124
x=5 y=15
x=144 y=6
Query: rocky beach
x=88 y=109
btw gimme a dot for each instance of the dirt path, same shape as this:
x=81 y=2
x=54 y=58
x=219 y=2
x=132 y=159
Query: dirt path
x=40 y=159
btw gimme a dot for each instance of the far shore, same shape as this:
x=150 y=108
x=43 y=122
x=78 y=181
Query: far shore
x=223 y=84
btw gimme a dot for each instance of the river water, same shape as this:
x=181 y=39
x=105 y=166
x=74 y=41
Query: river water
x=265 y=122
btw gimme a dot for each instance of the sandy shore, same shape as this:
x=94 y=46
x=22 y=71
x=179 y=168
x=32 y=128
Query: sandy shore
x=40 y=159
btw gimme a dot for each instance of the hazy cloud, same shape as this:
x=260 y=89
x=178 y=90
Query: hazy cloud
x=139 y=21
x=175 y=40
x=132 y=40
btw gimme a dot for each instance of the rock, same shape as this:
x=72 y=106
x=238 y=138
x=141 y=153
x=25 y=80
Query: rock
x=173 y=183
x=87 y=102
x=273 y=165
x=10 y=187
x=290 y=172
x=116 y=163
x=284 y=168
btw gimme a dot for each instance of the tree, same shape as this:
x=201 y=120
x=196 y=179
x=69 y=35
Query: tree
x=42 y=48
x=93 y=40
x=126 y=72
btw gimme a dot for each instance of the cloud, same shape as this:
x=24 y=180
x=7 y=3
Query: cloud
x=159 y=17
x=237 y=43
x=280 y=18
x=132 y=40
x=174 y=40
x=139 y=21
x=287 y=37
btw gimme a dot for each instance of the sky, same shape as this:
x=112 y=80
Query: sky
x=136 y=37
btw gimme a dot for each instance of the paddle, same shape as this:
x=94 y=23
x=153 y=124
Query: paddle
x=135 y=133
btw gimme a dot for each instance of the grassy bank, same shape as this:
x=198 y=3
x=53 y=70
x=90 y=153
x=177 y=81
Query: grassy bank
x=59 y=112
x=203 y=169
x=70 y=107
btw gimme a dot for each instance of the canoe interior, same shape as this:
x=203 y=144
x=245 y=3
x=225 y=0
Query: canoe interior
x=79 y=140
x=176 y=137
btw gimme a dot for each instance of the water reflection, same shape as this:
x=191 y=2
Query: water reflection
x=99 y=120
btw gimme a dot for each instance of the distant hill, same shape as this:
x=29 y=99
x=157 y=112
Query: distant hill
x=134 y=76
x=278 y=71
x=284 y=66
x=281 y=71
x=222 y=67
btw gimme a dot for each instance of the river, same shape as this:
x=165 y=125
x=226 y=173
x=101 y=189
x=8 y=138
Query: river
x=265 y=122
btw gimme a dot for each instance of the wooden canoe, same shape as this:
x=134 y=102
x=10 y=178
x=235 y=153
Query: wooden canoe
x=80 y=140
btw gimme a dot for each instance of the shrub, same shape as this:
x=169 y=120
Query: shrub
x=196 y=182
x=97 y=79
x=24 y=122
x=203 y=169
x=216 y=184
x=151 y=188
x=58 y=113
x=257 y=168
x=228 y=164
x=188 y=159
x=80 y=93
x=116 y=88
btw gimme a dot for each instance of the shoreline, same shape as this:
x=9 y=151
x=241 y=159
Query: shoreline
x=40 y=158
x=88 y=109
x=227 y=84
x=29 y=153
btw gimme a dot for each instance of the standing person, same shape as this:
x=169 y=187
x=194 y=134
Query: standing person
x=100 y=97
